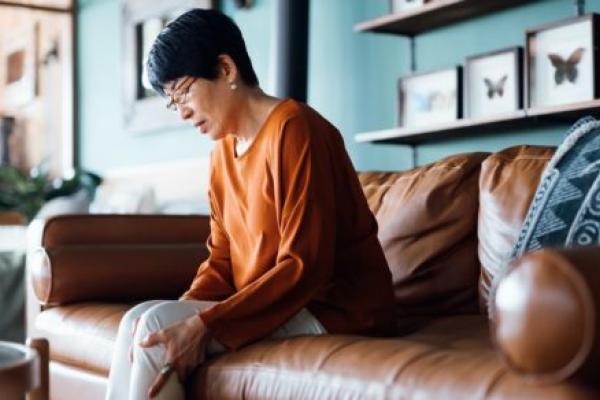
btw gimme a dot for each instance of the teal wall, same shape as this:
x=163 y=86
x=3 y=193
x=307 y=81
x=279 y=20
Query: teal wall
x=353 y=75
x=352 y=79
x=104 y=144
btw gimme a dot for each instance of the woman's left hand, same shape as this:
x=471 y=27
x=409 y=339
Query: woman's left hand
x=185 y=344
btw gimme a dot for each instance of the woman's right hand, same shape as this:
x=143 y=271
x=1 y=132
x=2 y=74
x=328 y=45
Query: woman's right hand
x=133 y=330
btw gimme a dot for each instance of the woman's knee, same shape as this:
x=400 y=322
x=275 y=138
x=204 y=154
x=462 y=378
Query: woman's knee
x=135 y=312
x=167 y=313
x=156 y=316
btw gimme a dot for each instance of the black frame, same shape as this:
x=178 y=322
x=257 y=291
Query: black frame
x=530 y=36
x=518 y=70
x=459 y=91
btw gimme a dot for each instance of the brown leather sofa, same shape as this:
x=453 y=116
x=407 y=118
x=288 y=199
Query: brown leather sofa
x=447 y=229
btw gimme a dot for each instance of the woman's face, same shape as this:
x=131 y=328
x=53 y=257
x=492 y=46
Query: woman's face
x=207 y=104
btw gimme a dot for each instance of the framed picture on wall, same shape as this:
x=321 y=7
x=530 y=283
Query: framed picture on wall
x=37 y=88
x=562 y=62
x=142 y=21
x=430 y=98
x=397 y=6
x=493 y=83
x=18 y=66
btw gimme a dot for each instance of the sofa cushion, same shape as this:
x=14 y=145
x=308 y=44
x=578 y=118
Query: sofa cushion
x=566 y=207
x=82 y=335
x=450 y=358
x=507 y=183
x=82 y=254
x=427 y=227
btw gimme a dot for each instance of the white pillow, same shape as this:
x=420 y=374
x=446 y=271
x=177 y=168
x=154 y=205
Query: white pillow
x=76 y=203
x=124 y=200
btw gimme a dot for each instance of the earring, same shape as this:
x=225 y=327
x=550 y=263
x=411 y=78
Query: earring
x=233 y=86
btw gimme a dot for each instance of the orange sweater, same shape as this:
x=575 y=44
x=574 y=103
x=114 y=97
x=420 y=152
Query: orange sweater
x=290 y=228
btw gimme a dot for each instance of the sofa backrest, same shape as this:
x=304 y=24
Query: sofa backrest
x=427 y=220
x=507 y=184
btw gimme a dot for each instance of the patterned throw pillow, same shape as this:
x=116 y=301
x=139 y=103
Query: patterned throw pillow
x=565 y=210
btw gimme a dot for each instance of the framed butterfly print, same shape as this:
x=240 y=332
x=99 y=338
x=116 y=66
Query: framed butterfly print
x=493 y=83
x=430 y=98
x=562 y=62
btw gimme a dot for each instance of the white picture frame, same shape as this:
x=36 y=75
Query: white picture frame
x=561 y=62
x=397 y=6
x=430 y=98
x=493 y=83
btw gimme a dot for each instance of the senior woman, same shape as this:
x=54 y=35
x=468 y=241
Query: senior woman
x=293 y=247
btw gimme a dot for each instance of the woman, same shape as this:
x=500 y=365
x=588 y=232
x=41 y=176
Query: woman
x=293 y=244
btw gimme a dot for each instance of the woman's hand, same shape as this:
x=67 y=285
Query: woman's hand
x=185 y=344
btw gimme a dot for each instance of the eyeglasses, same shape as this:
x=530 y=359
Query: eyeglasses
x=179 y=96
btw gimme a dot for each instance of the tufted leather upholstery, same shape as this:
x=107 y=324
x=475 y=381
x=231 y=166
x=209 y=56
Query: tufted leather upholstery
x=427 y=227
x=506 y=188
x=446 y=228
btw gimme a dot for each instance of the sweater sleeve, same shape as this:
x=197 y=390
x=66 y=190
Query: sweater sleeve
x=305 y=211
x=213 y=281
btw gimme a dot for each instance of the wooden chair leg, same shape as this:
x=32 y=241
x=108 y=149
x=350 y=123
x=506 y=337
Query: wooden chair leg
x=43 y=349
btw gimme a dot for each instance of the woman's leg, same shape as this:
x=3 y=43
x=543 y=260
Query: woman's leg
x=149 y=361
x=157 y=315
x=119 y=376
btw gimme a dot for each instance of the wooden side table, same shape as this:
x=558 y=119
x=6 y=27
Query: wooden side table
x=24 y=370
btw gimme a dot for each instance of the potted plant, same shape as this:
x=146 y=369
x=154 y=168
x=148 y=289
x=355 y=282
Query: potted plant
x=26 y=193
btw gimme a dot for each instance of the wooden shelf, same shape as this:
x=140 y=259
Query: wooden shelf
x=433 y=15
x=462 y=127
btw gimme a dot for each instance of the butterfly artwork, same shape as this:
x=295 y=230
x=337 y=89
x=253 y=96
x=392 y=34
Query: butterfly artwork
x=433 y=101
x=421 y=102
x=495 y=88
x=566 y=68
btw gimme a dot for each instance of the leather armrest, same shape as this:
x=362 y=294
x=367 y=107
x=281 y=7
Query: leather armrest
x=32 y=304
x=117 y=257
x=547 y=314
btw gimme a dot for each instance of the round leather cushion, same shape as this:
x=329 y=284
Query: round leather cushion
x=546 y=314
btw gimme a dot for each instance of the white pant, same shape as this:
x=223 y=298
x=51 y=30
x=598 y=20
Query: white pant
x=132 y=382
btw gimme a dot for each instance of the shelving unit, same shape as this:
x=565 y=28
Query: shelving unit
x=519 y=119
x=443 y=131
x=444 y=12
x=433 y=15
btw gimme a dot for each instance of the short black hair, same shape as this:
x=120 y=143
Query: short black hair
x=190 y=46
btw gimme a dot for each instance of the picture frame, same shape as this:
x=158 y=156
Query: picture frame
x=396 y=6
x=143 y=110
x=430 y=98
x=493 y=83
x=18 y=67
x=43 y=104
x=57 y=81
x=561 y=62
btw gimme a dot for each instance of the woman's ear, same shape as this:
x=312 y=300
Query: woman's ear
x=227 y=68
